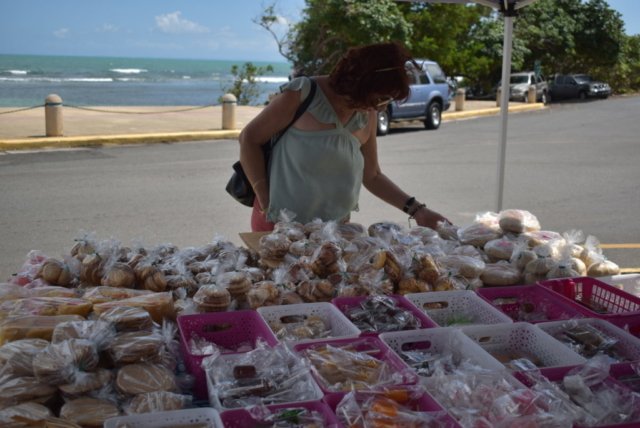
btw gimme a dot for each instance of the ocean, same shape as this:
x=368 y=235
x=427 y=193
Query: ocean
x=26 y=80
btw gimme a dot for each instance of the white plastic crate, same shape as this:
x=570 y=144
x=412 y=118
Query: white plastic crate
x=201 y=416
x=333 y=318
x=523 y=338
x=315 y=393
x=629 y=282
x=442 y=340
x=456 y=305
x=628 y=346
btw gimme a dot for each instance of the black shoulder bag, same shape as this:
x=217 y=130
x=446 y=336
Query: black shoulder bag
x=239 y=186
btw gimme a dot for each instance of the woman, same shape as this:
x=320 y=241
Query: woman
x=321 y=161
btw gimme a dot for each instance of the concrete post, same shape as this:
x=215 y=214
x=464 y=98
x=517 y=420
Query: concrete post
x=460 y=96
x=498 y=96
x=53 y=116
x=229 y=103
x=531 y=94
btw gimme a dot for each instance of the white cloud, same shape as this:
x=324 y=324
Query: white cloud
x=107 y=28
x=282 y=20
x=173 y=23
x=61 y=33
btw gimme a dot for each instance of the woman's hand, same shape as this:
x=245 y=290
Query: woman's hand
x=428 y=218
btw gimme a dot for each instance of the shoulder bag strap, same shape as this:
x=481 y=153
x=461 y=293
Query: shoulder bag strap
x=301 y=109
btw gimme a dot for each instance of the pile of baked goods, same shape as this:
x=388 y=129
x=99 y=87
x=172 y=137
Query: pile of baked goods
x=91 y=334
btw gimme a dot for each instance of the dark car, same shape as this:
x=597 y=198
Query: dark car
x=428 y=98
x=581 y=86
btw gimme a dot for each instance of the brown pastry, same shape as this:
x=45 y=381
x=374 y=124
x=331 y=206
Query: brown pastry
x=212 y=298
x=14 y=390
x=94 y=330
x=238 y=284
x=58 y=363
x=25 y=414
x=128 y=318
x=136 y=379
x=87 y=381
x=119 y=275
x=157 y=401
x=135 y=346
x=89 y=412
x=17 y=357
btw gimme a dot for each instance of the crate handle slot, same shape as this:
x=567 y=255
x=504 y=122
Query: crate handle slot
x=413 y=346
x=292 y=319
x=431 y=306
x=211 y=328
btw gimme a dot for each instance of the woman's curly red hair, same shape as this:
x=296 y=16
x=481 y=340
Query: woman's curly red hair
x=365 y=74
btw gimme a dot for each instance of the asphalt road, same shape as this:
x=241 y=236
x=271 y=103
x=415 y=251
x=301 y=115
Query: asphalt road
x=574 y=165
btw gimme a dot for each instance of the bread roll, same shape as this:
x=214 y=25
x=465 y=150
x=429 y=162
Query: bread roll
x=89 y=412
x=136 y=379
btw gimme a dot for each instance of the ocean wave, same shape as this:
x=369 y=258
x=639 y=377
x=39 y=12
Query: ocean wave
x=272 y=79
x=56 y=79
x=128 y=70
x=17 y=72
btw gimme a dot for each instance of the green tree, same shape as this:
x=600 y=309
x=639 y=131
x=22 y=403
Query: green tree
x=329 y=27
x=244 y=85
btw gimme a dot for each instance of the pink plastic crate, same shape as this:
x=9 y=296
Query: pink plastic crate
x=347 y=303
x=628 y=374
x=598 y=298
x=225 y=329
x=557 y=374
x=531 y=303
x=373 y=347
x=240 y=418
x=630 y=323
x=420 y=401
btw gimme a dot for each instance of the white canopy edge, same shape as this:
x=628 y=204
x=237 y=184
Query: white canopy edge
x=507 y=7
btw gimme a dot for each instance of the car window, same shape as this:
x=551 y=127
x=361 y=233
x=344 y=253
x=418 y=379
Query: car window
x=582 y=78
x=519 y=79
x=436 y=73
x=413 y=79
x=422 y=76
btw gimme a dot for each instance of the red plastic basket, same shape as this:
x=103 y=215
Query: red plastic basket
x=626 y=374
x=598 y=298
x=631 y=323
x=347 y=303
x=225 y=329
x=419 y=401
x=241 y=418
x=526 y=302
x=374 y=347
x=556 y=374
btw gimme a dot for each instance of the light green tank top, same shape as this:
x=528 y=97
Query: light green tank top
x=317 y=174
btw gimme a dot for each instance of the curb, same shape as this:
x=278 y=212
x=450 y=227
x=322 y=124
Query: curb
x=174 y=137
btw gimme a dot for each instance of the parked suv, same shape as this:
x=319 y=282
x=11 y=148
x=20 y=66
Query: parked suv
x=519 y=87
x=428 y=98
x=577 y=86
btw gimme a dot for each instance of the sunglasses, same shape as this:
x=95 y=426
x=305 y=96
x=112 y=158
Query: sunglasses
x=382 y=102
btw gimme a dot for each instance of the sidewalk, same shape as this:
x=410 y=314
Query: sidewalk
x=23 y=130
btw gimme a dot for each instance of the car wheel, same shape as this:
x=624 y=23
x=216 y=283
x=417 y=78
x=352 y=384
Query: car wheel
x=545 y=98
x=582 y=95
x=383 y=123
x=434 y=116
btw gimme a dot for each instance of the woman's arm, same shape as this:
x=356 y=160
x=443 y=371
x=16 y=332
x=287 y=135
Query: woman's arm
x=272 y=119
x=381 y=186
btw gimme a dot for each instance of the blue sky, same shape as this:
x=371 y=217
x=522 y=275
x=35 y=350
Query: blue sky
x=206 y=29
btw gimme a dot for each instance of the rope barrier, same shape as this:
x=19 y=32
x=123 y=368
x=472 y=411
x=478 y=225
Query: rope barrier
x=139 y=112
x=21 y=109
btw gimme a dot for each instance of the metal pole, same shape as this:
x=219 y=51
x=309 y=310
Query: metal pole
x=504 y=104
